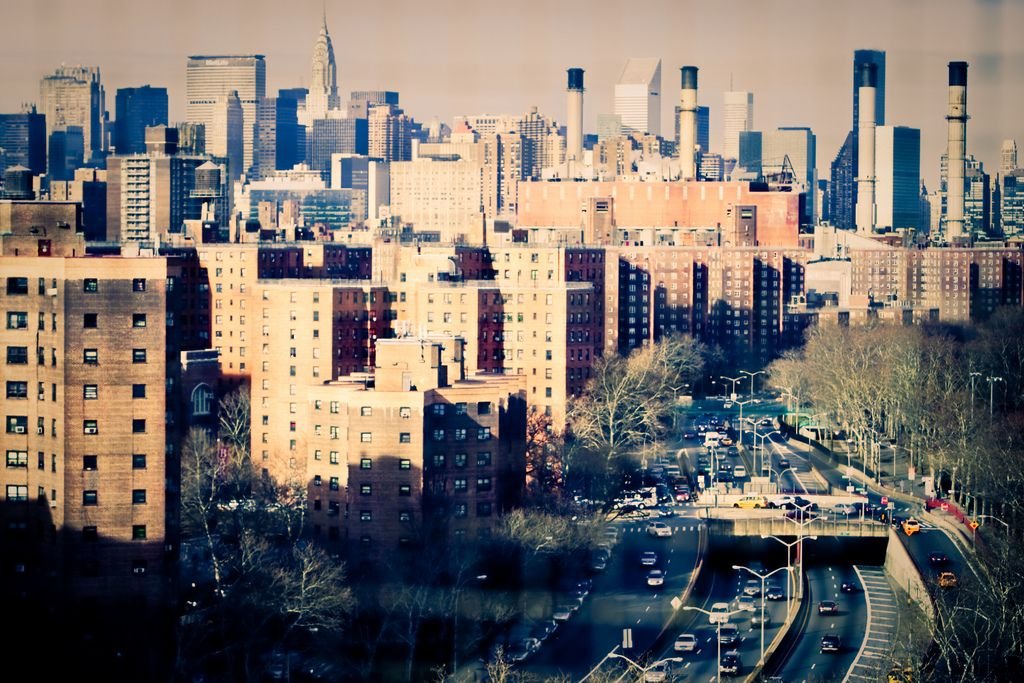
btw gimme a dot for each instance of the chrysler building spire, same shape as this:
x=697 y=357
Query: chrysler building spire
x=323 y=86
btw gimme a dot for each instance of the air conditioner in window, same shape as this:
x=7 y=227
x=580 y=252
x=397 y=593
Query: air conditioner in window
x=39 y=430
x=52 y=291
x=18 y=429
x=91 y=430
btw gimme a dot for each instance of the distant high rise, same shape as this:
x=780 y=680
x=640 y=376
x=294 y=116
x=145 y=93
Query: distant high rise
x=844 y=168
x=23 y=139
x=797 y=145
x=638 y=96
x=66 y=153
x=376 y=96
x=898 y=177
x=209 y=78
x=323 y=85
x=225 y=134
x=335 y=136
x=390 y=134
x=136 y=108
x=1008 y=156
x=977 y=214
x=73 y=96
x=738 y=113
x=703 y=127
x=749 y=152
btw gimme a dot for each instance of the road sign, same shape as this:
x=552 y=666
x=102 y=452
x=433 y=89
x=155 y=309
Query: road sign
x=676 y=603
x=973 y=524
x=890 y=506
x=885 y=500
x=627 y=639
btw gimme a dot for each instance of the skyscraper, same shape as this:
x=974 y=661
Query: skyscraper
x=1008 y=156
x=898 y=177
x=798 y=146
x=73 y=96
x=738 y=113
x=323 y=84
x=136 y=108
x=23 y=139
x=209 y=78
x=844 y=167
x=638 y=96
x=225 y=133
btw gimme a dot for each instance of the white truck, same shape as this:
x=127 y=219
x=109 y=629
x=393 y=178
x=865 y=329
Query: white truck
x=712 y=439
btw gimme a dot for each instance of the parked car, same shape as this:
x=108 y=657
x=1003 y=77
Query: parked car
x=685 y=642
x=828 y=607
x=830 y=642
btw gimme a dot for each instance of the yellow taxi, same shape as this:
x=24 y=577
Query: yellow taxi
x=911 y=526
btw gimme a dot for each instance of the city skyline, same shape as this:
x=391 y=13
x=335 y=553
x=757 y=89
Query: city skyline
x=809 y=66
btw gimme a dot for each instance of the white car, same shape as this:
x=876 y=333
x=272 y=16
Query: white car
x=655 y=577
x=739 y=471
x=746 y=603
x=752 y=588
x=685 y=642
x=719 y=613
x=659 y=529
x=563 y=612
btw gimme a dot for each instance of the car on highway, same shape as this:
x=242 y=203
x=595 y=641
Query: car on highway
x=849 y=587
x=689 y=434
x=746 y=603
x=830 y=642
x=655 y=578
x=543 y=629
x=599 y=560
x=563 y=611
x=660 y=672
x=752 y=587
x=801 y=515
x=766 y=422
x=728 y=634
x=682 y=492
x=685 y=642
x=937 y=559
x=756 y=619
x=844 y=509
x=739 y=472
x=719 y=613
x=522 y=649
x=828 y=607
x=659 y=529
x=732 y=452
x=730 y=664
x=947 y=580
x=751 y=503
x=784 y=463
x=773 y=591
x=726 y=441
x=911 y=526
x=648 y=558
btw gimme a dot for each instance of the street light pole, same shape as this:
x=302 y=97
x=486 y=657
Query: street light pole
x=751 y=375
x=991 y=385
x=718 y=667
x=789 y=564
x=800 y=547
x=973 y=375
x=733 y=380
x=763 y=577
x=644 y=669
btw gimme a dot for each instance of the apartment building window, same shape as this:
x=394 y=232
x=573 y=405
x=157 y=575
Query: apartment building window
x=365 y=516
x=483 y=459
x=17 y=390
x=90 y=497
x=90 y=427
x=89 y=463
x=460 y=510
x=439 y=460
x=366 y=437
x=138 y=532
x=17 y=459
x=483 y=509
x=139 y=391
x=483 y=434
x=138 y=461
x=90 y=321
x=90 y=392
x=138 y=355
x=41 y=460
x=459 y=434
x=334 y=484
x=460 y=485
x=90 y=534
x=138 y=284
x=317 y=480
x=17 y=285
x=547 y=392
x=17 y=320
x=404 y=437
x=317 y=454
x=17 y=492
x=483 y=483
x=334 y=407
x=438 y=409
x=365 y=463
x=461 y=459
x=90 y=285
x=438 y=435
x=366 y=411
x=404 y=464
x=138 y=426
x=483 y=408
x=366 y=489
x=138 y=319
x=90 y=356
x=404 y=516
x=138 y=496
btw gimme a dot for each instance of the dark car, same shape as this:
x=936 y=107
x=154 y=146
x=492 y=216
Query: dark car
x=830 y=642
x=729 y=634
x=724 y=476
x=849 y=587
x=688 y=434
x=828 y=607
x=783 y=463
x=730 y=664
x=774 y=592
x=937 y=558
x=732 y=451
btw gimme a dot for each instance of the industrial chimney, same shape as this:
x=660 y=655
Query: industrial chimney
x=574 y=122
x=688 y=122
x=867 y=80
x=956 y=149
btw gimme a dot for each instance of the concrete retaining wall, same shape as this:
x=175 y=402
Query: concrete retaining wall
x=900 y=566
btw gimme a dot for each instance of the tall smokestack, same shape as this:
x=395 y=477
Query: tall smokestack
x=956 y=149
x=688 y=122
x=574 y=117
x=867 y=80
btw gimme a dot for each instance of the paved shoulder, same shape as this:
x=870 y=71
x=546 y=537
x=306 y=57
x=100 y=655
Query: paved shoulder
x=883 y=620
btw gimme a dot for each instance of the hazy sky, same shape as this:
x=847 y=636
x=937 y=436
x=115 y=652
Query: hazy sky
x=450 y=57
